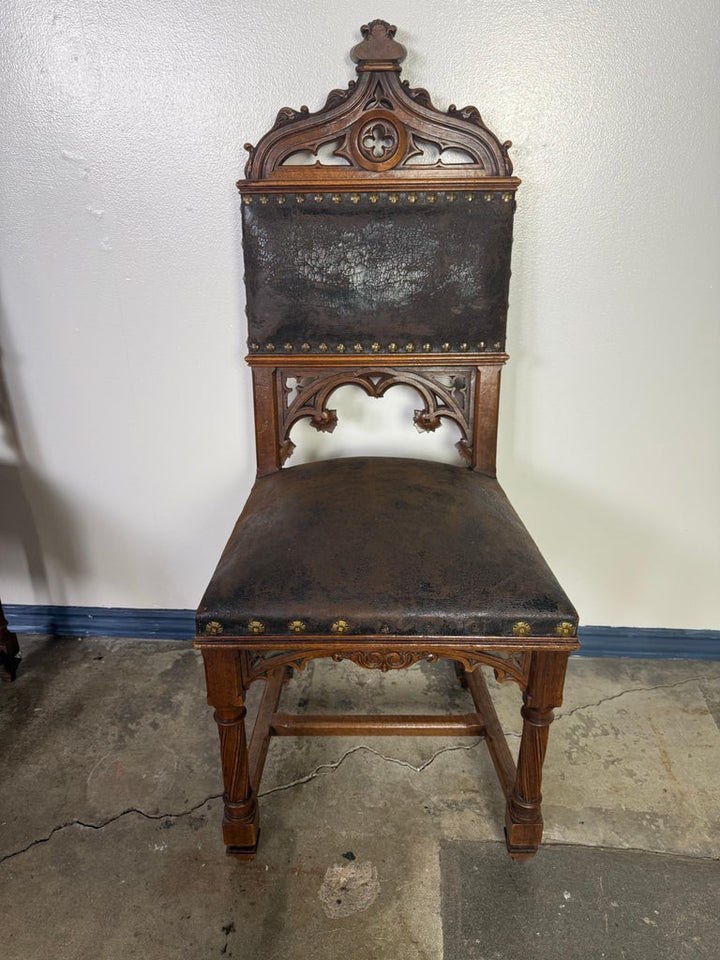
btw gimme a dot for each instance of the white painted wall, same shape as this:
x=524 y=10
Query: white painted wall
x=121 y=281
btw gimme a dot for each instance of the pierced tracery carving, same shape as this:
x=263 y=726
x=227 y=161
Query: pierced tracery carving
x=398 y=115
x=446 y=394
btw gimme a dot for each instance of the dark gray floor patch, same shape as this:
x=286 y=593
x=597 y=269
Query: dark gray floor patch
x=577 y=902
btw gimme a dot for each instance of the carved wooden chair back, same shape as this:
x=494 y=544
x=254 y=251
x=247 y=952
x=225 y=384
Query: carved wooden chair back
x=389 y=265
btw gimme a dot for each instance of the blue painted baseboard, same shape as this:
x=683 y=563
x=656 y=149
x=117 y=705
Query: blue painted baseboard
x=648 y=642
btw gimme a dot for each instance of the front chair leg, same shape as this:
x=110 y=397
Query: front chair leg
x=523 y=819
x=226 y=693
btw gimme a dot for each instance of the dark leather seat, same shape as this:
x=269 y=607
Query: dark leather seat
x=391 y=547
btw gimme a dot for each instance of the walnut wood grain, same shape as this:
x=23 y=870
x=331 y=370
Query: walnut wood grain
x=382 y=725
x=524 y=823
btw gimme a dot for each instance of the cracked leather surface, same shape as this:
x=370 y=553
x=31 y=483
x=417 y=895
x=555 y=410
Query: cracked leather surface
x=393 y=546
x=340 y=272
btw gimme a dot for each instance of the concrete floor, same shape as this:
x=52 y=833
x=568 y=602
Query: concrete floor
x=110 y=843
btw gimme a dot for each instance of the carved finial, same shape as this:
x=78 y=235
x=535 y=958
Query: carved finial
x=378 y=45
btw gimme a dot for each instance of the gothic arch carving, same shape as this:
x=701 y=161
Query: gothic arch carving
x=378 y=124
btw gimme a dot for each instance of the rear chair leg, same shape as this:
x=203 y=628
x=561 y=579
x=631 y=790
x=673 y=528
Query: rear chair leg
x=523 y=819
x=226 y=693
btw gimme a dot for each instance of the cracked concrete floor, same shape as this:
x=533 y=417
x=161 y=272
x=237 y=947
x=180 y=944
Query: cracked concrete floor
x=110 y=818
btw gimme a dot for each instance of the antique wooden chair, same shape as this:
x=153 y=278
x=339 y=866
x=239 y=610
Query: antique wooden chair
x=390 y=267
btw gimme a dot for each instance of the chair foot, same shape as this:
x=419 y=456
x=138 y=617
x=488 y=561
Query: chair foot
x=242 y=852
x=241 y=833
x=522 y=839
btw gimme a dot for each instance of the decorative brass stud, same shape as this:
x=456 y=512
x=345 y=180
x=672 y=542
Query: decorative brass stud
x=431 y=197
x=427 y=347
x=254 y=347
x=336 y=198
x=288 y=348
x=393 y=197
x=463 y=347
x=263 y=199
x=256 y=627
x=498 y=345
x=318 y=198
x=521 y=629
x=247 y=200
x=481 y=345
x=358 y=348
x=507 y=197
x=374 y=197
x=323 y=348
x=305 y=347
x=450 y=197
x=412 y=197
x=213 y=629
x=488 y=197
x=375 y=347
x=340 y=626
x=392 y=347
x=280 y=199
x=354 y=198
x=445 y=347
x=340 y=348
x=565 y=629
x=300 y=198
x=409 y=347
x=297 y=626
x=469 y=197
x=270 y=347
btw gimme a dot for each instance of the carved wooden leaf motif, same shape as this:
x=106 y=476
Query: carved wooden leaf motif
x=384 y=660
x=511 y=666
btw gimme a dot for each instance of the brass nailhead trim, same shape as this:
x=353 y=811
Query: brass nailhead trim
x=213 y=629
x=375 y=347
x=565 y=629
x=256 y=627
x=297 y=626
x=521 y=629
x=340 y=626
x=358 y=348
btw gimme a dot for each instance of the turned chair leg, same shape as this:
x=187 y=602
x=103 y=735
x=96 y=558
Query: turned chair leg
x=226 y=693
x=9 y=650
x=523 y=819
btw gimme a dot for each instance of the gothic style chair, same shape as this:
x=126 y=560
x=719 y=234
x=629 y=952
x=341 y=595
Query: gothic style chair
x=388 y=266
